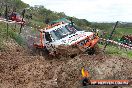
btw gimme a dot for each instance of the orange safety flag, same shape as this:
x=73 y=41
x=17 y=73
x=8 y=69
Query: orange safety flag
x=84 y=73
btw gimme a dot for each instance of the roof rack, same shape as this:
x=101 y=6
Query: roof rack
x=53 y=25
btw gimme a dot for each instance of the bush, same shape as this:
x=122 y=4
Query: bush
x=17 y=38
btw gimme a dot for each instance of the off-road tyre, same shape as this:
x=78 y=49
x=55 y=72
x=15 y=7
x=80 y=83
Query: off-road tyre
x=94 y=50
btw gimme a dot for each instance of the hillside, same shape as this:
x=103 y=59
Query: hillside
x=13 y=5
x=22 y=67
x=39 y=13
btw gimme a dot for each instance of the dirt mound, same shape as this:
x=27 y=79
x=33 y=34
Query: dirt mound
x=19 y=69
x=100 y=67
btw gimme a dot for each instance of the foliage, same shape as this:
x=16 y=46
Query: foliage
x=117 y=51
x=11 y=33
x=2 y=35
x=125 y=25
x=40 y=14
x=12 y=5
x=17 y=37
x=102 y=26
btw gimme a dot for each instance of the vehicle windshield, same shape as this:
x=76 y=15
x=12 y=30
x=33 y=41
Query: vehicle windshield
x=63 y=32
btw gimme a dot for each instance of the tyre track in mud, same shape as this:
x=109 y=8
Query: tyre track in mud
x=20 y=69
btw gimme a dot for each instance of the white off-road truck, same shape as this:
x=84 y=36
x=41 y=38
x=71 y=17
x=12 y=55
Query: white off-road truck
x=65 y=39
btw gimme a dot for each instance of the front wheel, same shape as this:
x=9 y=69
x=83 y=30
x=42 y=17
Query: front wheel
x=91 y=51
x=94 y=50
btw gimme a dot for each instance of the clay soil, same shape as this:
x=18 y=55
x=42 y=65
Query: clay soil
x=20 y=69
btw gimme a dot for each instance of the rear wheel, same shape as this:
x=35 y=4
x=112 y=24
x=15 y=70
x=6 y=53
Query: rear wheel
x=45 y=51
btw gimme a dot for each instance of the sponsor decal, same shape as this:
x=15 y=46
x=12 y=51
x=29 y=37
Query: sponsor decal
x=86 y=81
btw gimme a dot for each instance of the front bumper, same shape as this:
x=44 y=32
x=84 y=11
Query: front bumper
x=92 y=43
x=89 y=44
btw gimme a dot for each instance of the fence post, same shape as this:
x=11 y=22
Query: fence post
x=107 y=42
x=6 y=16
x=23 y=13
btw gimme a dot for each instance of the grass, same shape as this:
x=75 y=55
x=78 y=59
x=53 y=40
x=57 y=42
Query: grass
x=124 y=31
x=118 y=33
x=115 y=51
x=35 y=24
x=2 y=35
x=112 y=50
x=17 y=38
x=11 y=34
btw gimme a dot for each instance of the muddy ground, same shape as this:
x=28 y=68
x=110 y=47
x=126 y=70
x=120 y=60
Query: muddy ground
x=20 y=69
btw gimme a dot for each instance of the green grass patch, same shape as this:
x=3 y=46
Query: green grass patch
x=11 y=33
x=17 y=37
x=124 y=31
x=2 y=35
x=115 y=51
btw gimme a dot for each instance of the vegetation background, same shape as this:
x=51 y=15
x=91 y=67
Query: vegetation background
x=40 y=14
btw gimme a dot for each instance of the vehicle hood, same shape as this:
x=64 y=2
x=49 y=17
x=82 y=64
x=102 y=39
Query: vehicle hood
x=73 y=38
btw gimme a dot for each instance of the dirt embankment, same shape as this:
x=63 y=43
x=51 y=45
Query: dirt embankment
x=20 y=69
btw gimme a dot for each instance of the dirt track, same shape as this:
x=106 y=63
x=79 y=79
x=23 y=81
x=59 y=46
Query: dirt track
x=20 y=69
